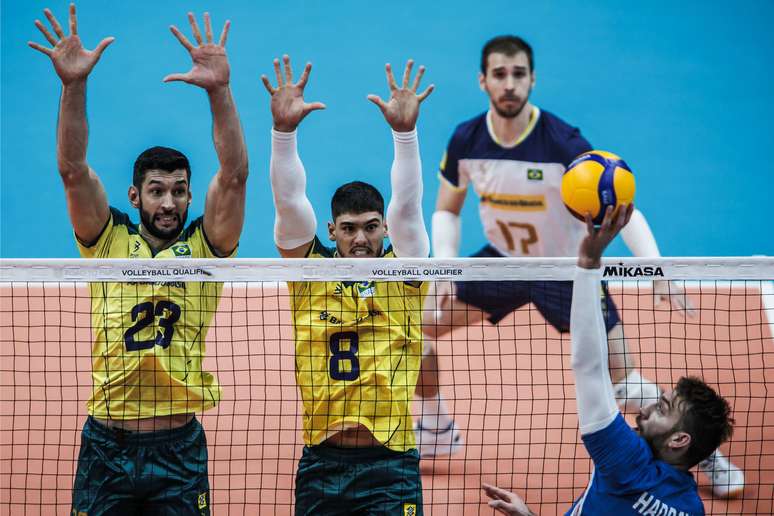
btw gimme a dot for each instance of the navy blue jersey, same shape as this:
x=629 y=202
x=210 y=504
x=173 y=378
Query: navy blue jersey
x=518 y=184
x=627 y=479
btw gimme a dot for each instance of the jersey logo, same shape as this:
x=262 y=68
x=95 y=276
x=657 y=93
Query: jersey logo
x=135 y=248
x=365 y=289
x=409 y=509
x=534 y=174
x=182 y=250
x=338 y=290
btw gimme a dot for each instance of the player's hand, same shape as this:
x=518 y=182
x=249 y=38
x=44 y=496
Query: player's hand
x=288 y=107
x=210 y=65
x=670 y=291
x=71 y=61
x=506 y=502
x=402 y=109
x=596 y=240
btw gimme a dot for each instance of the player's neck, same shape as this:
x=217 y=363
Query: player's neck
x=508 y=131
x=155 y=243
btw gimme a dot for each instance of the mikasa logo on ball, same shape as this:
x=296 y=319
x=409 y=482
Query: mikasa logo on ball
x=622 y=271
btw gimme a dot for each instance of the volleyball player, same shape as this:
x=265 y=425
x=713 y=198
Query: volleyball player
x=644 y=470
x=142 y=449
x=514 y=155
x=358 y=344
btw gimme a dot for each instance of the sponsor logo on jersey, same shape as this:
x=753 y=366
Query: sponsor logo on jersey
x=182 y=250
x=515 y=202
x=534 y=174
x=632 y=271
x=338 y=290
x=409 y=509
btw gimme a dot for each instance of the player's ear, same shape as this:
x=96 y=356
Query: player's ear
x=331 y=231
x=386 y=231
x=134 y=196
x=534 y=78
x=679 y=441
x=482 y=81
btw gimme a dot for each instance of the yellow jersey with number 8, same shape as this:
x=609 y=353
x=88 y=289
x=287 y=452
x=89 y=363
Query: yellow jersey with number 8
x=358 y=354
x=149 y=338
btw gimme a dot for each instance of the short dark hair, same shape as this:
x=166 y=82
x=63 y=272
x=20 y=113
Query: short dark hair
x=508 y=45
x=159 y=158
x=705 y=416
x=356 y=197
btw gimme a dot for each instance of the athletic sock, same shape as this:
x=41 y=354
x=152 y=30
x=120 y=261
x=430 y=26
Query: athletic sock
x=435 y=415
x=635 y=392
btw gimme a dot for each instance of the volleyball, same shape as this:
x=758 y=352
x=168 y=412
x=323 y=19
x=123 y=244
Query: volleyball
x=595 y=180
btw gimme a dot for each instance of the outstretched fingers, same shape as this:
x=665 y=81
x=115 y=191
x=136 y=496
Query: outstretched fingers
x=304 y=76
x=376 y=99
x=407 y=73
x=103 y=45
x=418 y=78
x=40 y=48
x=390 y=77
x=277 y=72
x=195 y=28
x=54 y=23
x=422 y=96
x=73 y=21
x=267 y=85
x=181 y=38
x=224 y=33
x=288 y=69
x=184 y=77
x=207 y=28
x=313 y=106
x=42 y=28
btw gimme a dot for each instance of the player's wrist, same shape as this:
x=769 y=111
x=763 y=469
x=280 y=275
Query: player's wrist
x=589 y=263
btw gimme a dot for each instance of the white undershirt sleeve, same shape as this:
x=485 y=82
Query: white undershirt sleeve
x=593 y=388
x=446 y=234
x=639 y=238
x=295 y=223
x=405 y=222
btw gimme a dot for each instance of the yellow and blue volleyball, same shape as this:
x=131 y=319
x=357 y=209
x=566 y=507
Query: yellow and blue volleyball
x=595 y=180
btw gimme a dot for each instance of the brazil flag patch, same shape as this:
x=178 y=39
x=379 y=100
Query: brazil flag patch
x=409 y=509
x=534 y=174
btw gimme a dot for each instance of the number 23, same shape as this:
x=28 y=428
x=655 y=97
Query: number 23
x=144 y=315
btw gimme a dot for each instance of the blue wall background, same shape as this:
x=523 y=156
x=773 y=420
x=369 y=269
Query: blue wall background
x=682 y=90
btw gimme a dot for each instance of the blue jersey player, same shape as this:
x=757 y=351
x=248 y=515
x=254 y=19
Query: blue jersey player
x=514 y=156
x=644 y=470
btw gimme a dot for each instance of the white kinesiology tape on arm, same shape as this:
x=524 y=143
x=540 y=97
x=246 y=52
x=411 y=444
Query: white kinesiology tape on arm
x=639 y=238
x=405 y=222
x=446 y=234
x=295 y=223
x=593 y=388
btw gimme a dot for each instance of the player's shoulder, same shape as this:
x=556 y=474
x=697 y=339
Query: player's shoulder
x=193 y=229
x=318 y=250
x=469 y=129
x=566 y=139
x=122 y=220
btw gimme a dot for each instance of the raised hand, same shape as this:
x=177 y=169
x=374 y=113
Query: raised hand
x=596 y=240
x=505 y=502
x=71 y=61
x=288 y=107
x=210 y=65
x=402 y=109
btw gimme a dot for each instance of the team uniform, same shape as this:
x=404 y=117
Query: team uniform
x=149 y=344
x=358 y=355
x=521 y=209
x=627 y=479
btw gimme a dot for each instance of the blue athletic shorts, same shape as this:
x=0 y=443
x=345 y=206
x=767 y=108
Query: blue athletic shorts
x=147 y=473
x=553 y=299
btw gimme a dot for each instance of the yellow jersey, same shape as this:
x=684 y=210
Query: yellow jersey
x=358 y=354
x=149 y=338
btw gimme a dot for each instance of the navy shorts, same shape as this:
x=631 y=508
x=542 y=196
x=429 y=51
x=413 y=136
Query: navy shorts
x=553 y=299
x=133 y=473
x=335 y=481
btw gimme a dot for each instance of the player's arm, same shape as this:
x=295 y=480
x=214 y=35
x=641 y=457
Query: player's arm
x=405 y=222
x=295 y=223
x=224 y=210
x=446 y=221
x=593 y=388
x=86 y=199
x=640 y=240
